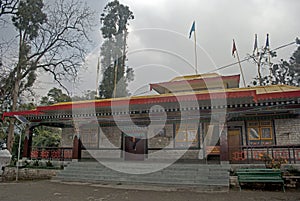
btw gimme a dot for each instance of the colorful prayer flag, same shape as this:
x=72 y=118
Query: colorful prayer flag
x=233 y=48
x=192 y=29
x=267 y=42
x=255 y=44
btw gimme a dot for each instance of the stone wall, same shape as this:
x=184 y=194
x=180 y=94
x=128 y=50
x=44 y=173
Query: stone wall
x=287 y=131
x=9 y=174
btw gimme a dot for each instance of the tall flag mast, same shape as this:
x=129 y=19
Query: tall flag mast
x=97 y=77
x=255 y=49
x=115 y=77
x=257 y=56
x=267 y=48
x=193 y=29
x=234 y=50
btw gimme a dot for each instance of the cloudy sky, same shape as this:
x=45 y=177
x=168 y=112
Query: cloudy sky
x=159 y=47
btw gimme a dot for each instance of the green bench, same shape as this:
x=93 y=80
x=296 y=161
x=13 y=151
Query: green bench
x=259 y=176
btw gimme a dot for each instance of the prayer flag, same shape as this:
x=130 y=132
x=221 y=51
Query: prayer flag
x=192 y=29
x=255 y=44
x=267 y=42
x=233 y=48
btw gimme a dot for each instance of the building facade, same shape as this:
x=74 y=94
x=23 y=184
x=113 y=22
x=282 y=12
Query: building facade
x=195 y=117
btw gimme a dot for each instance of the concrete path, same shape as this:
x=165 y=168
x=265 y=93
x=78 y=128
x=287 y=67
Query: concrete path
x=53 y=191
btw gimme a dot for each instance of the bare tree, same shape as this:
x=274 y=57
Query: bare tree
x=8 y=6
x=58 y=47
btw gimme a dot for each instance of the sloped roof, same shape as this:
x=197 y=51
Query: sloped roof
x=253 y=94
x=194 y=77
x=196 y=83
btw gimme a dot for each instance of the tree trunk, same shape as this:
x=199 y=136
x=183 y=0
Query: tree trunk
x=15 y=96
x=259 y=73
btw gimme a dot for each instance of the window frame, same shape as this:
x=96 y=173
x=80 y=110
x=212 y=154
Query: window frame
x=259 y=126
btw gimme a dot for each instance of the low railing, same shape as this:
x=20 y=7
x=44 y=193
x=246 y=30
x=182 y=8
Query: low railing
x=51 y=153
x=258 y=153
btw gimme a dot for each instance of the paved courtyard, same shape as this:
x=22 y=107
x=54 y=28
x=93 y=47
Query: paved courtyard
x=52 y=191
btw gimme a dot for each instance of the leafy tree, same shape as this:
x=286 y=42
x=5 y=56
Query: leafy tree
x=262 y=61
x=4 y=126
x=284 y=72
x=51 y=40
x=88 y=95
x=27 y=106
x=3 y=134
x=115 y=20
x=46 y=137
x=27 y=24
x=295 y=66
x=55 y=95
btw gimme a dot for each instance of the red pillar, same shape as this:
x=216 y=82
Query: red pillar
x=27 y=143
x=224 y=157
x=76 y=152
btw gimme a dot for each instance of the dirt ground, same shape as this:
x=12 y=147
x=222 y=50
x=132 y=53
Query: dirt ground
x=53 y=191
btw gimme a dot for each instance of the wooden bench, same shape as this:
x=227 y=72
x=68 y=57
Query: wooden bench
x=259 y=176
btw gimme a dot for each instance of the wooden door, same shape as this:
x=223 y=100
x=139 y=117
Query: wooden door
x=234 y=142
x=135 y=148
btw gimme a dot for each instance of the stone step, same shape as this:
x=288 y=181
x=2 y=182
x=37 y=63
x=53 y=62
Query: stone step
x=202 y=169
x=180 y=174
x=166 y=170
x=158 y=175
x=145 y=180
x=152 y=176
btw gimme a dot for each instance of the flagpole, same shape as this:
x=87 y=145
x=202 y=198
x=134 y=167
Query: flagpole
x=269 y=57
x=115 y=78
x=195 y=41
x=237 y=55
x=255 y=45
x=97 y=77
x=270 y=79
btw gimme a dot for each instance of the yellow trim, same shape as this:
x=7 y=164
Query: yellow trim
x=259 y=90
x=192 y=77
x=256 y=124
x=265 y=125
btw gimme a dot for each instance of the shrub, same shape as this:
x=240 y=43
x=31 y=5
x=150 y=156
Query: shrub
x=271 y=162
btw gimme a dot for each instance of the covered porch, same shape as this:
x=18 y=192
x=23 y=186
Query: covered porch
x=231 y=125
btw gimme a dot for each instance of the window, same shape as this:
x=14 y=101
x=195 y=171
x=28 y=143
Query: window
x=260 y=132
x=186 y=135
x=253 y=133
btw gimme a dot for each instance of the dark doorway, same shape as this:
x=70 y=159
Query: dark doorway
x=135 y=148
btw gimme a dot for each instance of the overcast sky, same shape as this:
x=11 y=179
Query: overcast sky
x=159 y=47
